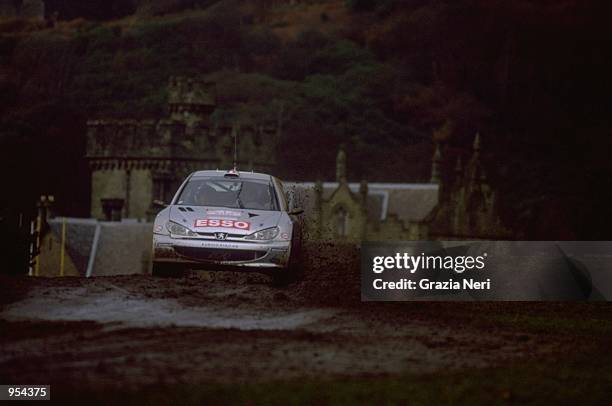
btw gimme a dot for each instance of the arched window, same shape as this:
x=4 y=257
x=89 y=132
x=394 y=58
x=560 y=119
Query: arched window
x=342 y=222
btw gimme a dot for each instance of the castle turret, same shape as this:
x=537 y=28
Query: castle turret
x=190 y=100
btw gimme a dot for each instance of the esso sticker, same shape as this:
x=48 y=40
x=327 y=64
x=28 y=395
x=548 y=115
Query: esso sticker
x=240 y=225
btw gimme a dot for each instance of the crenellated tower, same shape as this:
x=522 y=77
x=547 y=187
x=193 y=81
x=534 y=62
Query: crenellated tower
x=139 y=161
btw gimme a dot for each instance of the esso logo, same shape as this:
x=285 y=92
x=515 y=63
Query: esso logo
x=240 y=225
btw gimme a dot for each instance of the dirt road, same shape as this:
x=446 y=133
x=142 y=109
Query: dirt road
x=139 y=330
x=132 y=332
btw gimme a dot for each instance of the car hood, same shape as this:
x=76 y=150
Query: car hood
x=207 y=219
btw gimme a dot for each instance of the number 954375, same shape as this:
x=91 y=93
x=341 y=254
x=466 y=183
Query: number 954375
x=27 y=392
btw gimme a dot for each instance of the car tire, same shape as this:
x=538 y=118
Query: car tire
x=294 y=271
x=164 y=270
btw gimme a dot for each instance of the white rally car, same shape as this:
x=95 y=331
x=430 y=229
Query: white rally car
x=231 y=220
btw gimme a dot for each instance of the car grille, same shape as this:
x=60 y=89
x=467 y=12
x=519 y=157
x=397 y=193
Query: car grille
x=218 y=254
x=213 y=235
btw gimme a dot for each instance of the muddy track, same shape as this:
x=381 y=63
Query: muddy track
x=134 y=331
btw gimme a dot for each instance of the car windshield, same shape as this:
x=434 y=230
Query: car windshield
x=226 y=192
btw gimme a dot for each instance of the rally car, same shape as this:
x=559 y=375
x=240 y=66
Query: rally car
x=228 y=220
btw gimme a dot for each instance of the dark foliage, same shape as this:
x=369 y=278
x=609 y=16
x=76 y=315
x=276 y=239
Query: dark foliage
x=89 y=9
x=532 y=77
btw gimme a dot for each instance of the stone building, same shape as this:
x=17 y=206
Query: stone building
x=458 y=206
x=135 y=162
x=29 y=9
x=468 y=204
x=355 y=212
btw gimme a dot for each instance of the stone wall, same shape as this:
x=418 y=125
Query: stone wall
x=106 y=184
x=342 y=216
x=141 y=193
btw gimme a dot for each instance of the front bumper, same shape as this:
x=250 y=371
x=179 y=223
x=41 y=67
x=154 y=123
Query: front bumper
x=203 y=252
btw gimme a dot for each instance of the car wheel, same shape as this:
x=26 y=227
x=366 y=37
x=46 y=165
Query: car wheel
x=294 y=270
x=165 y=270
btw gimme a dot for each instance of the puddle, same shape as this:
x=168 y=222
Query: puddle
x=114 y=307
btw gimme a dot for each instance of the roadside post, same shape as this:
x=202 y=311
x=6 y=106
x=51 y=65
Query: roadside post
x=63 y=247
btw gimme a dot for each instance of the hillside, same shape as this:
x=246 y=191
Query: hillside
x=380 y=76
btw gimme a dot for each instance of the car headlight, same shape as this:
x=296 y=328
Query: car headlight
x=177 y=230
x=267 y=234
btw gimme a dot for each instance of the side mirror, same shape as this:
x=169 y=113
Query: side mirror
x=159 y=204
x=296 y=211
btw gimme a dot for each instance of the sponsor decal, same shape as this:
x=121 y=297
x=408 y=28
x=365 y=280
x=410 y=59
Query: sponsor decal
x=223 y=213
x=240 y=225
